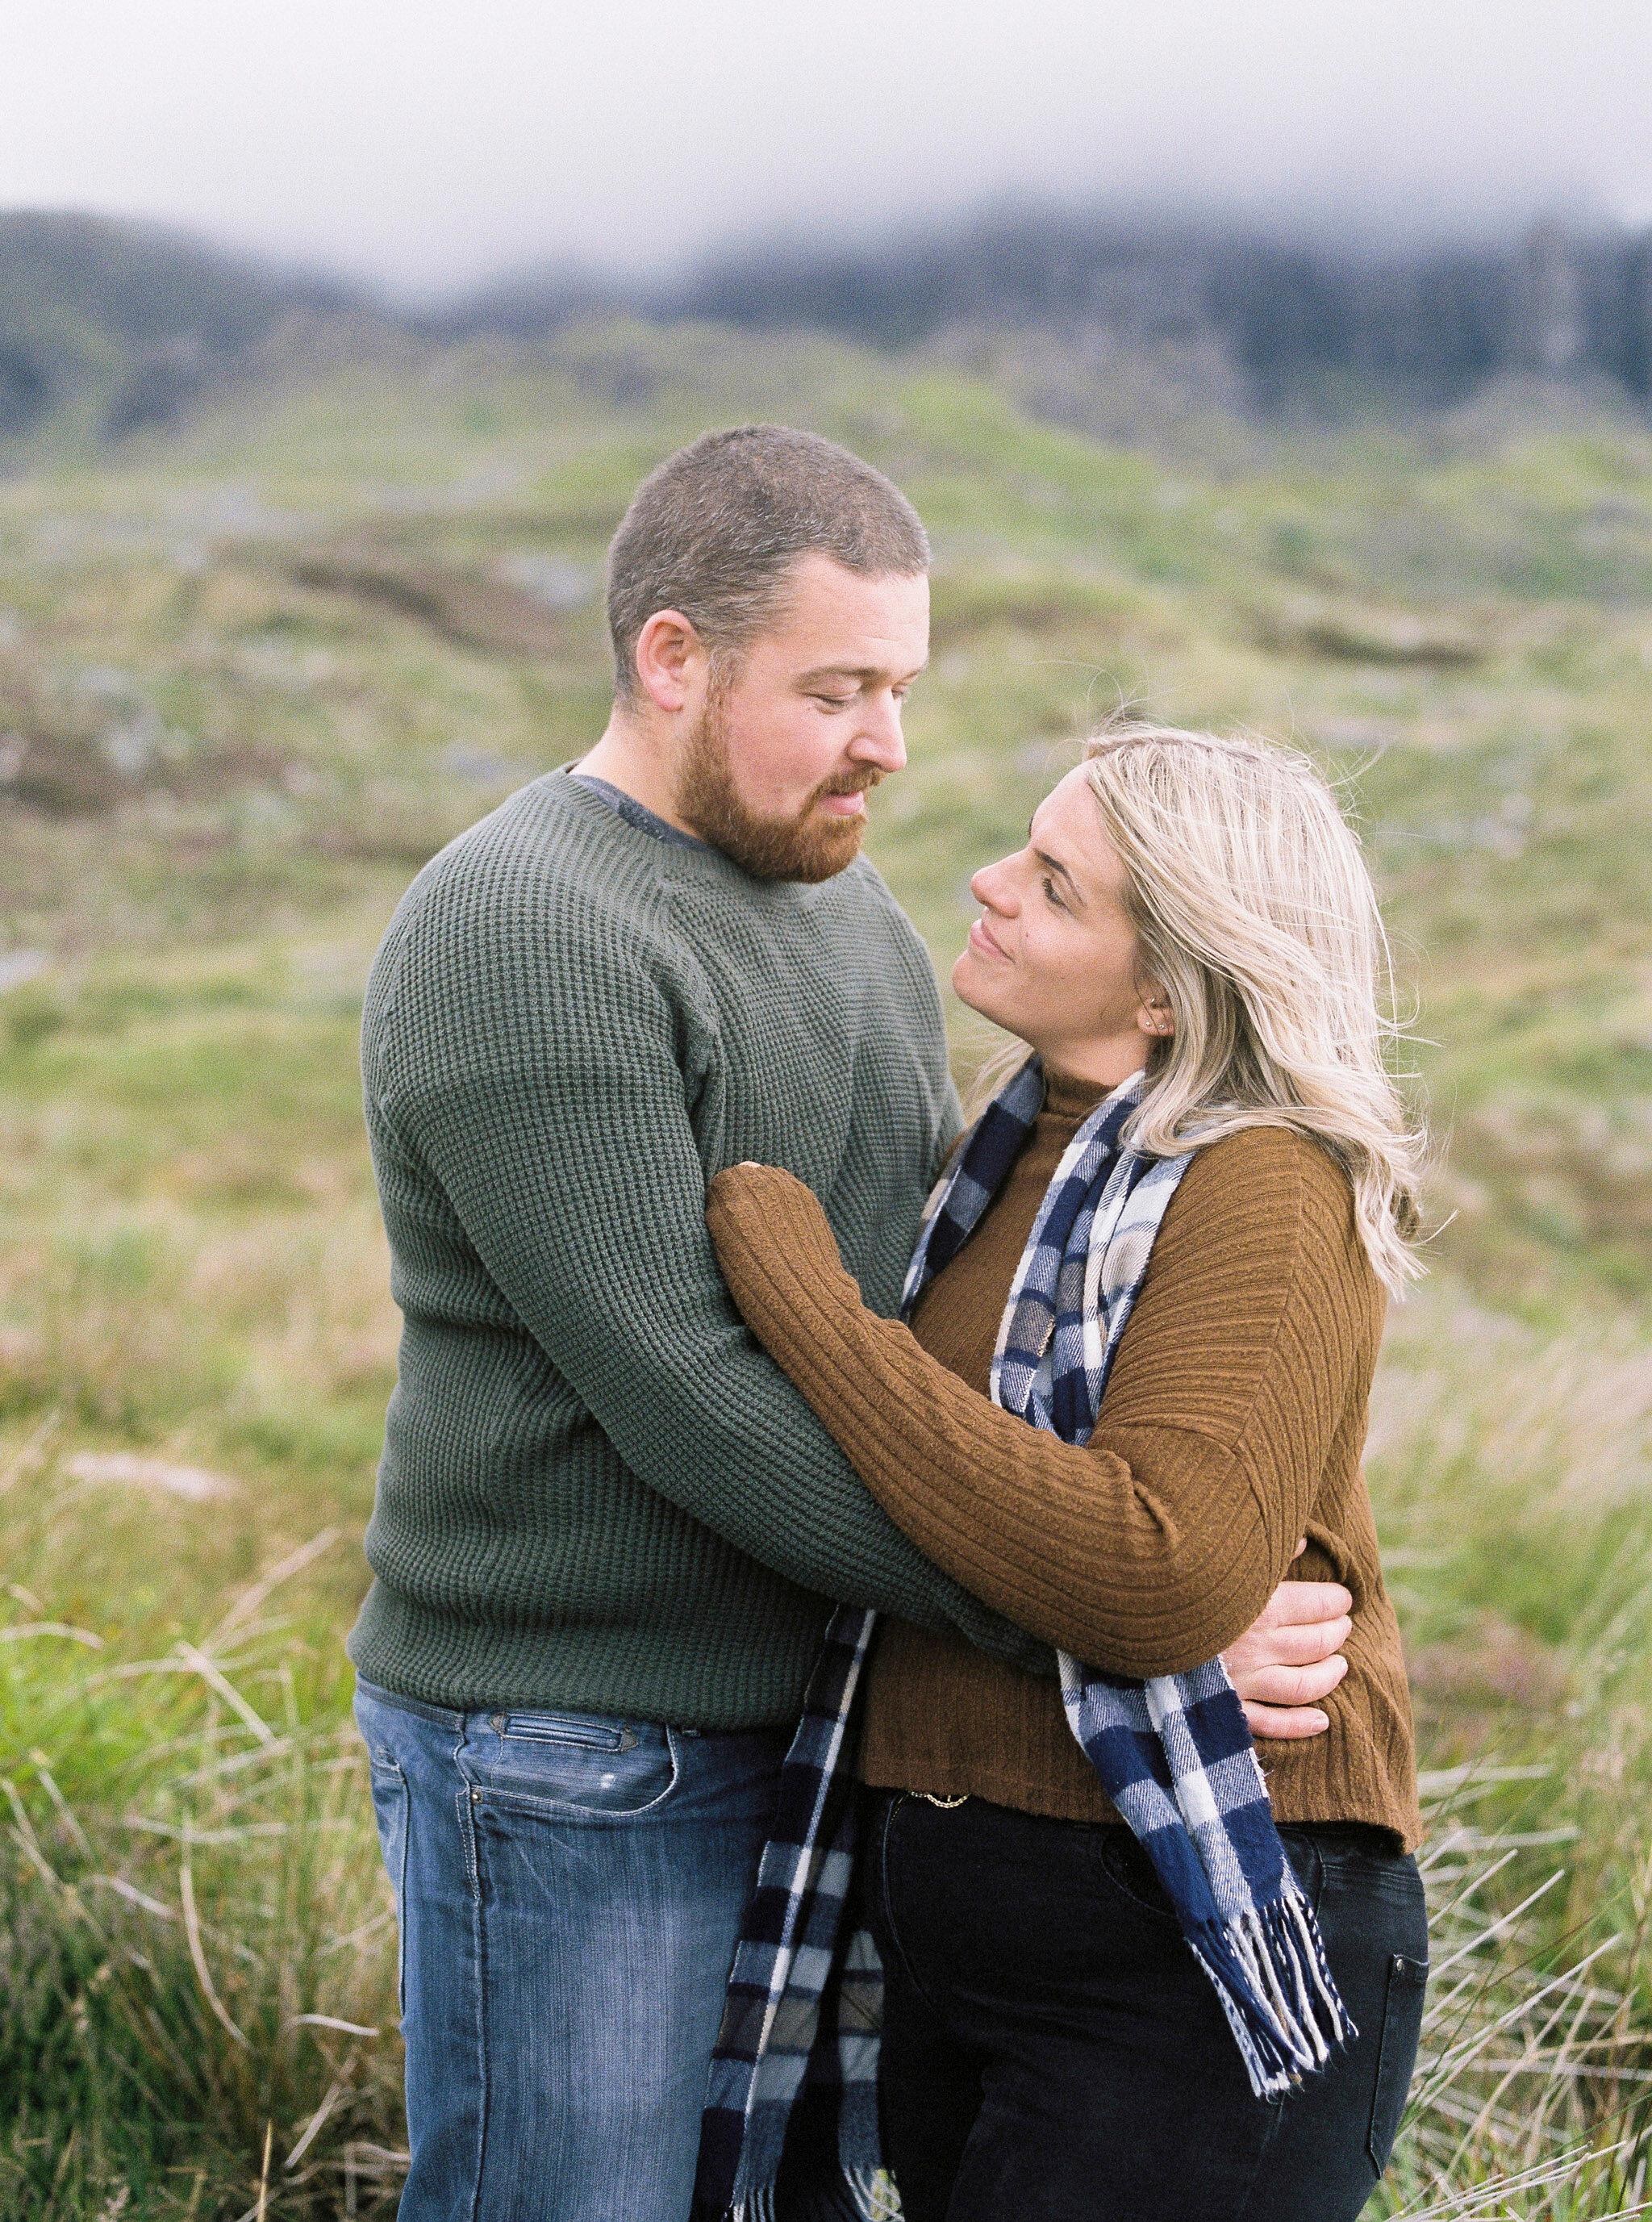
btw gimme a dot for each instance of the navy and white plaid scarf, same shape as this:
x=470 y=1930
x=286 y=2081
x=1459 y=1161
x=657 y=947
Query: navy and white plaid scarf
x=1172 y=1754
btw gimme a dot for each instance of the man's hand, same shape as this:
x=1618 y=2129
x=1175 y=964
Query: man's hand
x=1291 y=1657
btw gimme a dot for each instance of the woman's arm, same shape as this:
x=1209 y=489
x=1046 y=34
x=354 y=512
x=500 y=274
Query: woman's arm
x=1154 y=1547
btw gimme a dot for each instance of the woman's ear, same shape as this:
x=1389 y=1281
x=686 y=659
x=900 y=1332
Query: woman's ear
x=1156 y=1016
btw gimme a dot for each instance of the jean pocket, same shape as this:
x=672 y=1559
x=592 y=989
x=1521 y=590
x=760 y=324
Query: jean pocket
x=1132 y=1874
x=570 y=1777
x=585 y=1731
x=390 y=1805
x=1127 y=1867
x=1304 y=1849
x=1402 y=2023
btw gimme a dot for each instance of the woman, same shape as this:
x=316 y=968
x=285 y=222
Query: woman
x=1208 y=1147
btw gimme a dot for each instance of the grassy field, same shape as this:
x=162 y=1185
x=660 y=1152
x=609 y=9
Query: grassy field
x=253 y=674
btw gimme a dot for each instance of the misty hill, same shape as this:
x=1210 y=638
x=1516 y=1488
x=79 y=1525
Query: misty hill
x=109 y=327
x=1290 y=321
x=126 y=322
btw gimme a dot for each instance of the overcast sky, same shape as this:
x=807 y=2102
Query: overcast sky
x=428 y=143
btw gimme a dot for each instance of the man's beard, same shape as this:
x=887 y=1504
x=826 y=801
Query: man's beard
x=813 y=845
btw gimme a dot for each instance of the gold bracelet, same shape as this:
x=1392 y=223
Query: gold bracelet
x=945 y=1803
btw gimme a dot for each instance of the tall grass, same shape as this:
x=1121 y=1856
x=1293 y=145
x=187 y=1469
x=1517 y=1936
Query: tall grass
x=200 y=1955
x=1531 y=2091
x=1510 y=1469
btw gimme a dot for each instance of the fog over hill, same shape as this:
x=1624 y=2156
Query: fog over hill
x=112 y=327
x=1296 y=318
x=128 y=319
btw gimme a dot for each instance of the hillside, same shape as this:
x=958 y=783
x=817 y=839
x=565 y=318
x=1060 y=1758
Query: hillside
x=1284 y=320
x=257 y=664
x=114 y=326
x=305 y=639
x=108 y=328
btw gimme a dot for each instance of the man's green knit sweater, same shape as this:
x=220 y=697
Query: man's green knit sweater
x=598 y=1493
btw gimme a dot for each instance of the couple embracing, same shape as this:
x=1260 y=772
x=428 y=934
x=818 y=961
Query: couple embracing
x=830 y=1567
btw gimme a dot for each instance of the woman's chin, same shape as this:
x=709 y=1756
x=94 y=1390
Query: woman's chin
x=965 y=984
x=977 y=993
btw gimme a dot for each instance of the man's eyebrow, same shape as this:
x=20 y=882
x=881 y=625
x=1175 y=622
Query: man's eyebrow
x=858 y=671
x=1055 y=864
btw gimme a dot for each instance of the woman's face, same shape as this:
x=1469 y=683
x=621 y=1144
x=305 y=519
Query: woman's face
x=1053 y=958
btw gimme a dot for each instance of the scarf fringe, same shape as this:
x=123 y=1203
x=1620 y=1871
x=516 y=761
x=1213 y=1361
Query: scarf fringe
x=875 y=2198
x=1268 y=1967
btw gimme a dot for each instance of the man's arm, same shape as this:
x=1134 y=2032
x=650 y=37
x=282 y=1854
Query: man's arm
x=562 y=1140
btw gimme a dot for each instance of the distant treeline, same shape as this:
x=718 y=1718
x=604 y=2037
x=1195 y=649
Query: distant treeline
x=127 y=323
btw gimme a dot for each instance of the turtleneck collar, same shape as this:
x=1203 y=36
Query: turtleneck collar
x=1066 y=1098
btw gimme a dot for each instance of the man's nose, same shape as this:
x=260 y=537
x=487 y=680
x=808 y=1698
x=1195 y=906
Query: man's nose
x=878 y=739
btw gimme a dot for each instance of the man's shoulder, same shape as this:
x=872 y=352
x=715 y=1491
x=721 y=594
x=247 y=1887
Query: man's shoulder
x=539 y=863
x=530 y=900
x=554 y=874
x=550 y=835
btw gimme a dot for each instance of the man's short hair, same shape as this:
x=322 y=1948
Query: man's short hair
x=714 y=530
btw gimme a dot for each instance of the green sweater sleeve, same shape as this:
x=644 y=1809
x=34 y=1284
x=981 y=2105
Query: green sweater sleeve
x=567 y=1152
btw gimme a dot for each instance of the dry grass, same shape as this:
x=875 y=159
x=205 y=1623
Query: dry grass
x=193 y=1871
x=201 y=1948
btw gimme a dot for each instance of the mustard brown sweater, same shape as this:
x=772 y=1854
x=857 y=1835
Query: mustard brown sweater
x=1233 y=1425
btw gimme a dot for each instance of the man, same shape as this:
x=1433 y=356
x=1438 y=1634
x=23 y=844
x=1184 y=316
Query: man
x=607 y=1529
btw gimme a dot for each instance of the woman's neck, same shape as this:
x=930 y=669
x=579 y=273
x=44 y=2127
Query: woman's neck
x=1105 y=1063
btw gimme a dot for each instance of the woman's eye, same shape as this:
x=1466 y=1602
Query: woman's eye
x=1050 y=895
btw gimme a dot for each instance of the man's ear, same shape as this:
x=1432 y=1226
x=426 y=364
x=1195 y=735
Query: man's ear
x=668 y=650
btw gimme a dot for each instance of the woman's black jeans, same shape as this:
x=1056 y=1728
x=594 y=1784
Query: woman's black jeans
x=1053 y=2053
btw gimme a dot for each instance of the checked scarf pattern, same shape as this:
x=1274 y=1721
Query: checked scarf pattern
x=803 y=2009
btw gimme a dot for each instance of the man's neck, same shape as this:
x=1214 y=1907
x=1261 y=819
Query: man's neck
x=636 y=764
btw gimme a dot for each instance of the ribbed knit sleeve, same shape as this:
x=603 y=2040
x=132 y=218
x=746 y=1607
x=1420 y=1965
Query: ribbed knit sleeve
x=546 y=1094
x=1153 y=1547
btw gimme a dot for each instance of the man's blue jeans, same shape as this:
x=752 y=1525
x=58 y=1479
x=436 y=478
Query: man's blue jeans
x=569 y=1890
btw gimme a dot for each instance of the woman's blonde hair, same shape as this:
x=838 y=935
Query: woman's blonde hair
x=1256 y=916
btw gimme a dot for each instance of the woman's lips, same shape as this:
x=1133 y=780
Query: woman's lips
x=983 y=944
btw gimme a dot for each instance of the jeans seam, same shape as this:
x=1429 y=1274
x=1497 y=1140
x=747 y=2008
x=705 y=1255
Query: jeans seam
x=1385 y=2037
x=464 y=1797
x=1314 y=1890
x=888 y=1829
x=479 y=1925
x=386 y=1762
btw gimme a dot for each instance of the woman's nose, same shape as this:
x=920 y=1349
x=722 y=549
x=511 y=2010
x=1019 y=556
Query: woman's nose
x=990 y=888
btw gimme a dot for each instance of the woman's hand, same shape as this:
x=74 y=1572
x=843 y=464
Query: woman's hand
x=754 y=1209
x=1290 y=1657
